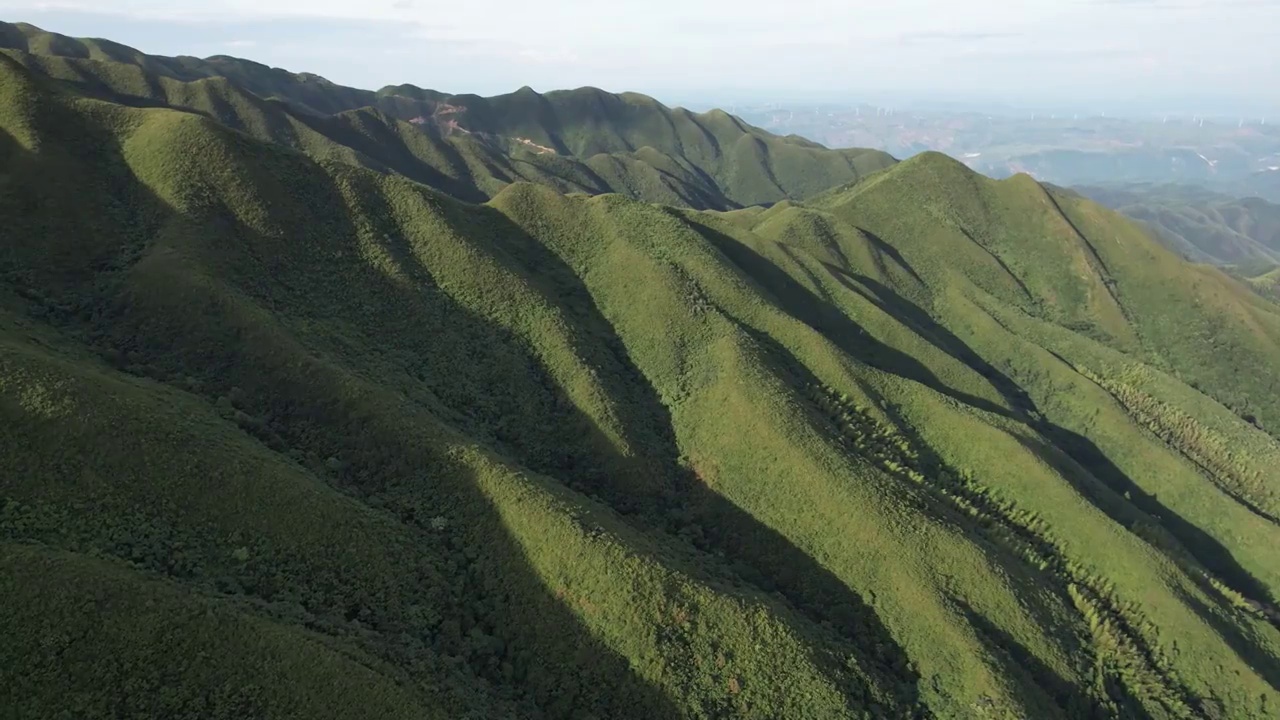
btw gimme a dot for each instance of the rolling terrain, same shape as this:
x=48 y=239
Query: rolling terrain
x=313 y=411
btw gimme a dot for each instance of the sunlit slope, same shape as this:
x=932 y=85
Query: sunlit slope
x=570 y=456
x=1141 y=318
x=1066 y=260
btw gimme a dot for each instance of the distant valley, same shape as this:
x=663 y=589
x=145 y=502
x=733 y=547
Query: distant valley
x=1239 y=158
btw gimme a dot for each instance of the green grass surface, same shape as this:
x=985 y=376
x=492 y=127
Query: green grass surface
x=289 y=431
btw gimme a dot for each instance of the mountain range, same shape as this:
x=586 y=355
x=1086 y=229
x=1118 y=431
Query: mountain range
x=321 y=402
x=583 y=140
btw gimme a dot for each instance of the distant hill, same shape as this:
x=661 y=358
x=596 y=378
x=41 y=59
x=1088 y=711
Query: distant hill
x=583 y=140
x=1263 y=183
x=1202 y=225
x=315 y=412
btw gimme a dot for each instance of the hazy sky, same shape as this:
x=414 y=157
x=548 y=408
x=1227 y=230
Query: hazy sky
x=1155 y=53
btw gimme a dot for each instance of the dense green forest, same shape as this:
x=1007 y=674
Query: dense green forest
x=318 y=402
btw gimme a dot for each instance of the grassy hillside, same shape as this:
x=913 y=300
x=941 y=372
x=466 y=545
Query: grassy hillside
x=1201 y=225
x=471 y=147
x=292 y=434
x=1058 y=257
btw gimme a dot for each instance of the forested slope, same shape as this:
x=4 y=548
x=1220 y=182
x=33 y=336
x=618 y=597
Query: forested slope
x=289 y=433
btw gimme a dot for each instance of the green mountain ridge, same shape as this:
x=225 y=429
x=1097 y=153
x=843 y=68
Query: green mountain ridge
x=293 y=427
x=583 y=140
